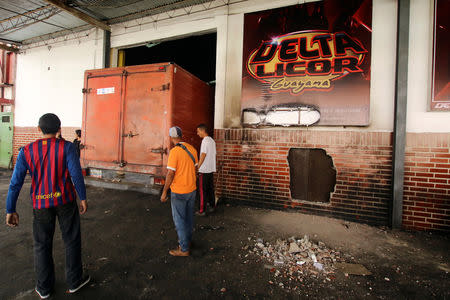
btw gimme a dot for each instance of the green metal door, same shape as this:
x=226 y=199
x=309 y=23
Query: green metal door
x=6 y=139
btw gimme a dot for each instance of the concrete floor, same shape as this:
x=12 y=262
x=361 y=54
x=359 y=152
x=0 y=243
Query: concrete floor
x=126 y=236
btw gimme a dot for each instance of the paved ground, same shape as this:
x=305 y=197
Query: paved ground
x=126 y=236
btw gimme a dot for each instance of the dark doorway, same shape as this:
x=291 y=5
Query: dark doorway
x=312 y=173
x=196 y=54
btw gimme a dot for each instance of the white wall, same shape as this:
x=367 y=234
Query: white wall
x=228 y=22
x=382 y=84
x=419 y=119
x=50 y=79
x=382 y=87
x=40 y=90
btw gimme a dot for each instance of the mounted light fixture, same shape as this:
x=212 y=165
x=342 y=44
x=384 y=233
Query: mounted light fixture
x=150 y=45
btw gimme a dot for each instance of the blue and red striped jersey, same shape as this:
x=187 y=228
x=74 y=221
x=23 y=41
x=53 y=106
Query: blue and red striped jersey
x=54 y=167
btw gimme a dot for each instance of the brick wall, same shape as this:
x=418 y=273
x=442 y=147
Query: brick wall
x=25 y=135
x=253 y=169
x=426 y=204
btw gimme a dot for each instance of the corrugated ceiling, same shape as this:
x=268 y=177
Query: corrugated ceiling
x=25 y=21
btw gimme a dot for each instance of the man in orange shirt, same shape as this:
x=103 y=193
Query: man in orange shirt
x=181 y=178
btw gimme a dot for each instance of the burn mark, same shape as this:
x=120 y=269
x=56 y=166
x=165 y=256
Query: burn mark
x=289 y=114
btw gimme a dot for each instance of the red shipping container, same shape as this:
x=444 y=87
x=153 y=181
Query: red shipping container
x=127 y=113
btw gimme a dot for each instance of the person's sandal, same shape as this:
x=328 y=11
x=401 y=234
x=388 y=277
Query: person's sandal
x=179 y=252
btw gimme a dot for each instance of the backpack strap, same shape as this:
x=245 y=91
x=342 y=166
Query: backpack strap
x=187 y=151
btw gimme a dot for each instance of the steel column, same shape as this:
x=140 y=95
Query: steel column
x=106 y=49
x=401 y=89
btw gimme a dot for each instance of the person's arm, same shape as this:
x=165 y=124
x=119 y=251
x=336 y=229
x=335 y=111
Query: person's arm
x=202 y=159
x=20 y=171
x=171 y=169
x=203 y=152
x=74 y=167
x=169 y=179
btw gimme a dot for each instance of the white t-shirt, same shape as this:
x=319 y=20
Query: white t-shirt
x=209 y=147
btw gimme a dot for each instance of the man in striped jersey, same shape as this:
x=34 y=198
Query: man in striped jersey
x=54 y=168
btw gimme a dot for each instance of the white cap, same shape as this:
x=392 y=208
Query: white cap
x=175 y=132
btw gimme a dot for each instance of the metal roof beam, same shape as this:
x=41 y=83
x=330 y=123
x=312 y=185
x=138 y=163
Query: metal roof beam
x=6 y=41
x=56 y=35
x=60 y=4
x=22 y=20
x=159 y=9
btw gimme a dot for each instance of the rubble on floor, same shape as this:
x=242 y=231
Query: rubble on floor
x=294 y=260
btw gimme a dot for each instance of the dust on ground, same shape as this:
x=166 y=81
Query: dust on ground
x=126 y=237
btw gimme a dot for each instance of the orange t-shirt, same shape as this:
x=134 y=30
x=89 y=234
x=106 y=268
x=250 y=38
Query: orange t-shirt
x=179 y=161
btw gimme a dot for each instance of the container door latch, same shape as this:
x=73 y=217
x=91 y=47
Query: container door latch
x=121 y=163
x=130 y=134
x=159 y=150
x=164 y=87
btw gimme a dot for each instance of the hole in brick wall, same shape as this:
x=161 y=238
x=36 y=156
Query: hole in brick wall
x=312 y=173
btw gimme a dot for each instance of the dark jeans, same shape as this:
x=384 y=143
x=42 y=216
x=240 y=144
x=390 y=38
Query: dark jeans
x=43 y=231
x=206 y=190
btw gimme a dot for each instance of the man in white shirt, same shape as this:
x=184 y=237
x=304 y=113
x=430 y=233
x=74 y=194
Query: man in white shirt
x=206 y=169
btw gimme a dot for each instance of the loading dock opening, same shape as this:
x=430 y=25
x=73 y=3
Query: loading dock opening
x=196 y=54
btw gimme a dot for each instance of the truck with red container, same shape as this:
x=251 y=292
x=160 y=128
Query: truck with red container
x=127 y=113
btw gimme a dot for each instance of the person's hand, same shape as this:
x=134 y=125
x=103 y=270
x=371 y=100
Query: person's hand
x=83 y=207
x=164 y=196
x=12 y=220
